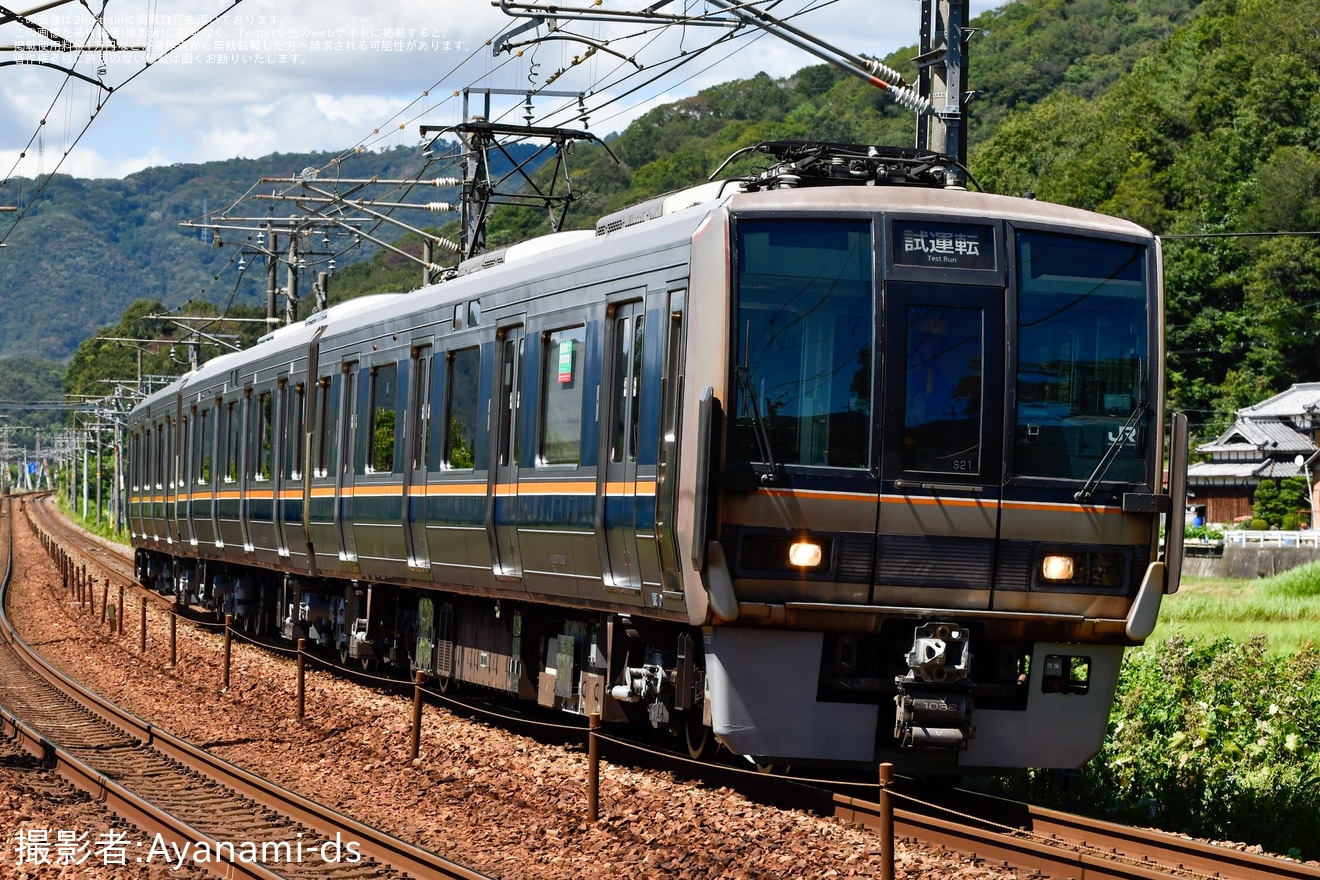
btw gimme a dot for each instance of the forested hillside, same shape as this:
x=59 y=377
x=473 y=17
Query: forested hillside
x=1212 y=136
x=88 y=248
x=1019 y=54
x=1190 y=118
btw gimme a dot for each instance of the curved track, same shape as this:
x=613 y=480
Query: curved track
x=1019 y=835
x=1064 y=844
x=188 y=797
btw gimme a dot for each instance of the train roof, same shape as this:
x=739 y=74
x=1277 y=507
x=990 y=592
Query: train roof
x=669 y=220
x=292 y=336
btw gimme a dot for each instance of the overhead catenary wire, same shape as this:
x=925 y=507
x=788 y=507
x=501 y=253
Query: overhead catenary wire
x=100 y=105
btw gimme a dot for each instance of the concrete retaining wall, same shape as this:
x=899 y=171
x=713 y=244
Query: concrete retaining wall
x=1249 y=561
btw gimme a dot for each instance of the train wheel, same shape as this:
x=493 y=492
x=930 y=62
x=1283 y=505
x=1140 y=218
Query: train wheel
x=368 y=663
x=698 y=737
x=445 y=683
x=343 y=656
x=773 y=769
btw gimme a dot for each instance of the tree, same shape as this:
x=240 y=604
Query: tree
x=1278 y=501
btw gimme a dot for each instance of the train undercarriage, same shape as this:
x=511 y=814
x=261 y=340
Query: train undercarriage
x=634 y=670
x=578 y=661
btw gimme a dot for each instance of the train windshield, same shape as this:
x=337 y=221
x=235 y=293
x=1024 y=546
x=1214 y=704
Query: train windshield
x=1083 y=358
x=804 y=327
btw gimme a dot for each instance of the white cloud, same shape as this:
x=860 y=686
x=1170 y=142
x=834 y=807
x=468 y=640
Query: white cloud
x=297 y=75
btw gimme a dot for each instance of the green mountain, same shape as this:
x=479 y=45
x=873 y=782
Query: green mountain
x=86 y=249
x=1211 y=137
x=1166 y=112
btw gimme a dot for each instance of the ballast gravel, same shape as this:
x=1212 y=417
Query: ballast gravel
x=501 y=803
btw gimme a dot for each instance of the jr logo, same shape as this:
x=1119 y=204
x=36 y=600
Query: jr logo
x=1129 y=435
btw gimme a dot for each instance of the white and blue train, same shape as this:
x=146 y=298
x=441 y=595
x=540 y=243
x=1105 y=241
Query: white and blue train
x=835 y=463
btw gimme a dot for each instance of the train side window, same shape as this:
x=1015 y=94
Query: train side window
x=349 y=448
x=628 y=337
x=131 y=448
x=295 y=421
x=234 y=434
x=383 y=415
x=327 y=416
x=167 y=463
x=205 y=428
x=184 y=466
x=160 y=457
x=562 y=353
x=462 y=409
x=264 y=417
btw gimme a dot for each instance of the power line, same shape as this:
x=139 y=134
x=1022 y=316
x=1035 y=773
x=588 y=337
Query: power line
x=100 y=105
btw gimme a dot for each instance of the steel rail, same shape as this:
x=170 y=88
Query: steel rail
x=1065 y=845
x=385 y=848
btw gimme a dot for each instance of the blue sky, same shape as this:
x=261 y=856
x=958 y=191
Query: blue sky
x=294 y=75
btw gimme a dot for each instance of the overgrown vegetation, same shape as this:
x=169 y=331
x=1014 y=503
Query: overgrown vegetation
x=1212 y=735
x=1285 y=607
x=1215 y=738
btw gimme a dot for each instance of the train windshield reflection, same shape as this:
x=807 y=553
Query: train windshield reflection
x=1083 y=356
x=803 y=330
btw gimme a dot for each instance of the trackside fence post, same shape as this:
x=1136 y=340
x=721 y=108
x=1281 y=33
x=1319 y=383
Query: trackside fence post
x=886 y=822
x=593 y=769
x=302 y=672
x=174 y=636
x=142 y=642
x=418 y=681
x=105 y=599
x=229 y=636
x=122 y=609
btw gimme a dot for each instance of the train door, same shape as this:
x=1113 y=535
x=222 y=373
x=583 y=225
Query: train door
x=246 y=465
x=158 y=530
x=346 y=431
x=279 y=467
x=172 y=432
x=618 y=499
x=942 y=444
x=182 y=476
x=417 y=440
x=506 y=405
x=212 y=467
x=188 y=472
x=666 y=483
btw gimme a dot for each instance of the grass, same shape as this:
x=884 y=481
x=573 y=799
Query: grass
x=90 y=524
x=1285 y=608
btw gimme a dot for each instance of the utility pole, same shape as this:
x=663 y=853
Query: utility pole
x=291 y=290
x=942 y=77
x=272 y=279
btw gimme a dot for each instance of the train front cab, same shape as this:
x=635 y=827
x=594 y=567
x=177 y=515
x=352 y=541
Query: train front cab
x=936 y=524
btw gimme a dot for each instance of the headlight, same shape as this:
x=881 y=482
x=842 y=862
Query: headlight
x=804 y=554
x=1095 y=568
x=1056 y=568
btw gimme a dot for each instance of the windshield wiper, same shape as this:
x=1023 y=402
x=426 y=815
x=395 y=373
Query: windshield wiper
x=758 y=424
x=1115 y=445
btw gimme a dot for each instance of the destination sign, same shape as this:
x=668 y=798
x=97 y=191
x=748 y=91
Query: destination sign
x=944 y=245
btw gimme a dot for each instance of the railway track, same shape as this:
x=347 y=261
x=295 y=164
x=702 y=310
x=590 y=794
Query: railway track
x=190 y=806
x=1030 y=839
x=1064 y=845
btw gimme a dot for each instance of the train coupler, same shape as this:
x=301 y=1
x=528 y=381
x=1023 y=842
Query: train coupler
x=933 y=707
